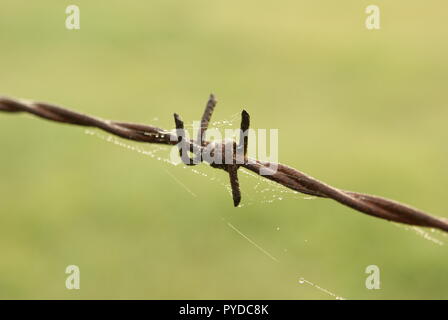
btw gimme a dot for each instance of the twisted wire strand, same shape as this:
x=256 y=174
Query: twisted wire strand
x=289 y=177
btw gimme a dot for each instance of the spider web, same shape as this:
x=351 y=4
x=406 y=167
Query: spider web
x=257 y=190
x=263 y=191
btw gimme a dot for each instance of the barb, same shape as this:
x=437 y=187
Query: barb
x=284 y=175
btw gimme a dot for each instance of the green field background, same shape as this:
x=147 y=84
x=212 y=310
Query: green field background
x=362 y=110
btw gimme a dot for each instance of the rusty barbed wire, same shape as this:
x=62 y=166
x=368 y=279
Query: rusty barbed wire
x=289 y=177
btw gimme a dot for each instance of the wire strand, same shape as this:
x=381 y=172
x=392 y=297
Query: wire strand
x=284 y=175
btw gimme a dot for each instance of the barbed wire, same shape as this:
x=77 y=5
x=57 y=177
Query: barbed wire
x=289 y=177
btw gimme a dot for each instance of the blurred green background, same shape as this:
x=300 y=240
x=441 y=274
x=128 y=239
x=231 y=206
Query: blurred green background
x=362 y=110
